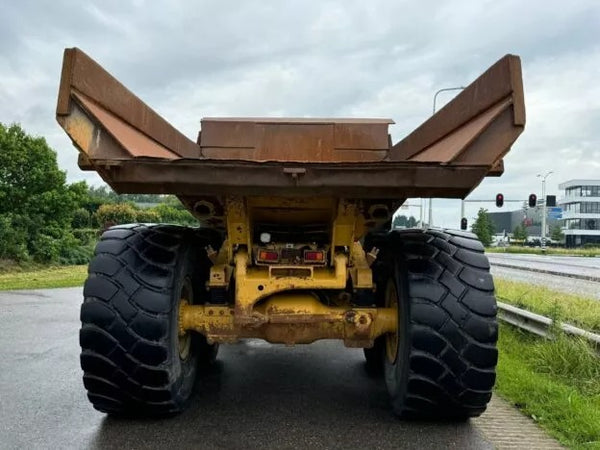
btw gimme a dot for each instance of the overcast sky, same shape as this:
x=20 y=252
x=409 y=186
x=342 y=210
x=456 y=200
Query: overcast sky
x=190 y=59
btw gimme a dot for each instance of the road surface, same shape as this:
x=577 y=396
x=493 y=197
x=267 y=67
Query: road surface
x=256 y=396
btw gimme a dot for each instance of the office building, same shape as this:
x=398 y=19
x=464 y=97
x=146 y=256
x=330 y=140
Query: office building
x=581 y=212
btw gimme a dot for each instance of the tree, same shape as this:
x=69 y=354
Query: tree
x=520 y=233
x=411 y=222
x=483 y=227
x=36 y=204
x=399 y=222
x=556 y=233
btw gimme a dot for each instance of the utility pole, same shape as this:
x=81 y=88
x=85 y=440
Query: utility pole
x=543 y=177
x=458 y=88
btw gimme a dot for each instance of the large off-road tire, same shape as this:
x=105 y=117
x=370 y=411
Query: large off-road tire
x=441 y=363
x=133 y=358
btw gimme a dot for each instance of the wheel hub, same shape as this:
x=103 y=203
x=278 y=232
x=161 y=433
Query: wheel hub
x=185 y=337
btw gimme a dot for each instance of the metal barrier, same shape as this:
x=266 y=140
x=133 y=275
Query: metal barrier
x=541 y=325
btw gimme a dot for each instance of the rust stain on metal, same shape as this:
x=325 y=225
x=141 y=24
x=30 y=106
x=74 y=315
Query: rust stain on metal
x=132 y=140
x=290 y=319
x=80 y=129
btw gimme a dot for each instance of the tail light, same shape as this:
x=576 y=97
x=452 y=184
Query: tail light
x=314 y=256
x=268 y=256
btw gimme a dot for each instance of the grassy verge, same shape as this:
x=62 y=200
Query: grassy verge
x=549 y=251
x=579 y=311
x=40 y=278
x=557 y=383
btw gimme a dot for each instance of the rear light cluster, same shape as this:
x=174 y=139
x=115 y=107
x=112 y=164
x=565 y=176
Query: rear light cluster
x=314 y=256
x=273 y=256
x=268 y=256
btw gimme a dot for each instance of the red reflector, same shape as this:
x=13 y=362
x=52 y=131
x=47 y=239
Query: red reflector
x=311 y=255
x=264 y=255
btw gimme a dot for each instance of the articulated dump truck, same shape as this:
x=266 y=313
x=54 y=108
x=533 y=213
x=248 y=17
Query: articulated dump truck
x=293 y=244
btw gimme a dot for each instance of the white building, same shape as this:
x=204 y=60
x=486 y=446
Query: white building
x=581 y=212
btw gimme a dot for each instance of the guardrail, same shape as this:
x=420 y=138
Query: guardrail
x=541 y=325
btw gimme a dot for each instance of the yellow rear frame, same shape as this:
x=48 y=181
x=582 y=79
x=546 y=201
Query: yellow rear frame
x=277 y=302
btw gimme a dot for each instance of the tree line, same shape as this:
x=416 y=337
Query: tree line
x=44 y=219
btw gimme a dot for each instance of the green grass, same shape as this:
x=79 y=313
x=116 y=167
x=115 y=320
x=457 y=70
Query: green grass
x=580 y=311
x=41 y=278
x=556 y=382
x=591 y=252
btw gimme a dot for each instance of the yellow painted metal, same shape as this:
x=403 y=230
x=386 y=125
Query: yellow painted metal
x=391 y=339
x=265 y=307
x=291 y=318
x=255 y=283
x=238 y=224
x=80 y=128
x=185 y=337
x=343 y=225
x=360 y=271
x=221 y=271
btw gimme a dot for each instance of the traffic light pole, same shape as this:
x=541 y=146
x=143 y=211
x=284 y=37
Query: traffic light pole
x=544 y=209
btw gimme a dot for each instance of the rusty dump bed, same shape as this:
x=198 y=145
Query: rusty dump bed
x=137 y=151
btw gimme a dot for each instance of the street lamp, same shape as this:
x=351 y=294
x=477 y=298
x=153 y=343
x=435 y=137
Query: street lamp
x=457 y=88
x=543 y=177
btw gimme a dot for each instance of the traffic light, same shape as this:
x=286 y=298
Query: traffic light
x=550 y=200
x=532 y=200
x=499 y=200
x=463 y=223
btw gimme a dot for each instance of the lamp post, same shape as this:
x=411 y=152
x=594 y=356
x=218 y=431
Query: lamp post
x=457 y=88
x=543 y=177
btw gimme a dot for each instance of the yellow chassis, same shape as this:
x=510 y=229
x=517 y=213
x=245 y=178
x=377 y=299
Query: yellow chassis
x=276 y=302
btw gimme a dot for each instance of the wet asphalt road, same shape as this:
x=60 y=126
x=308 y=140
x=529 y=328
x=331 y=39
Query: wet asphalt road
x=256 y=396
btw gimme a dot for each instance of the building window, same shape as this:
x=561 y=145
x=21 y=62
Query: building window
x=590 y=207
x=574 y=192
x=590 y=191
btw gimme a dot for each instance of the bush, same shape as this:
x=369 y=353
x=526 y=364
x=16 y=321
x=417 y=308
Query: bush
x=147 y=216
x=120 y=213
x=80 y=254
x=172 y=214
x=45 y=249
x=86 y=236
x=81 y=219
